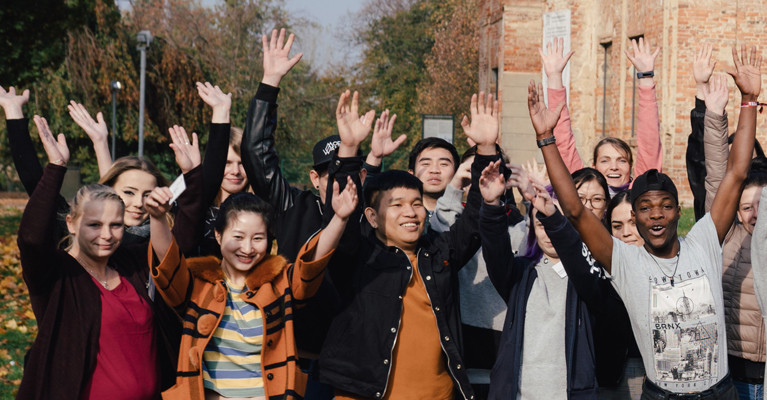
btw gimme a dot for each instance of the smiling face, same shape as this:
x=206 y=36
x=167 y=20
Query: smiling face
x=243 y=243
x=435 y=167
x=97 y=231
x=622 y=225
x=748 y=207
x=399 y=218
x=235 y=179
x=133 y=186
x=614 y=164
x=656 y=213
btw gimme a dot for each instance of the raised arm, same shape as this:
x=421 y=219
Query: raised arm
x=449 y=205
x=158 y=205
x=259 y=155
x=218 y=139
x=649 y=153
x=593 y=232
x=715 y=146
x=344 y=204
x=96 y=130
x=747 y=74
x=554 y=63
x=702 y=69
x=22 y=149
x=37 y=240
x=188 y=226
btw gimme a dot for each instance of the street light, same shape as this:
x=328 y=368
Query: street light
x=115 y=87
x=144 y=39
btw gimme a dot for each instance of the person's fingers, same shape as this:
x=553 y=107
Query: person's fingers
x=481 y=103
x=289 y=43
x=264 y=45
x=273 y=43
x=473 y=106
x=281 y=39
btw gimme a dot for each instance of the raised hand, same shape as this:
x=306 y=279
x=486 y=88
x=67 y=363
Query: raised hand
x=483 y=128
x=747 y=72
x=542 y=201
x=214 y=97
x=462 y=177
x=345 y=202
x=12 y=102
x=554 y=61
x=381 y=145
x=702 y=66
x=492 y=183
x=717 y=94
x=157 y=204
x=95 y=129
x=520 y=179
x=55 y=148
x=544 y=120
x=537 y=172
x=643 y=57
x=352 y=128
x=187 y=154
x=277 y=61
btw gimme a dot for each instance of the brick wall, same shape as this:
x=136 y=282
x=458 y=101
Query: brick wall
x=511 y=36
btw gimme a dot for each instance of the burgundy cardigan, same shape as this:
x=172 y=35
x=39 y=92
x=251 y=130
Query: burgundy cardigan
x=67 y=306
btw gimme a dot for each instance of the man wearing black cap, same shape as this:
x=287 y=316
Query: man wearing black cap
x=672 y=286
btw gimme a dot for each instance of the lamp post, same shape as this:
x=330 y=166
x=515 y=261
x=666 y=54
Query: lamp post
x=115 y=87
x=144 y=39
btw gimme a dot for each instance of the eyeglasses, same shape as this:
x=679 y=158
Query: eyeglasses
x=597 y=202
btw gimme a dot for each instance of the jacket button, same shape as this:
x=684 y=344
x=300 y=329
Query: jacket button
x=426 y=254
x=270 y=343
x=458 y=366
x=400 y=297
x=386 y=362
x=250 y=294
x=393 y=330
x=447 y=338
x=378 y=395
x=270 y=376
x=428 y=277
x=436 y=308
x=338 y=162
x=408 y=268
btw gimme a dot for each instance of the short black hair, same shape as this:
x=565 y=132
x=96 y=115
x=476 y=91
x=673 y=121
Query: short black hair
x=429 y=143
x=386 y=181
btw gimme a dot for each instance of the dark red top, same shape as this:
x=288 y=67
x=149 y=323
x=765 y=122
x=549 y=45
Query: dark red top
x=126 y=364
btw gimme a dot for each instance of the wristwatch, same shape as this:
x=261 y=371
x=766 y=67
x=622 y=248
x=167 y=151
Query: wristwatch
x=546 y=141
x=648 y=74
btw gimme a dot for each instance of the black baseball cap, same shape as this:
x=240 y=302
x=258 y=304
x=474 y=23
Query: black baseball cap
x=653 y=180
x=324 y=150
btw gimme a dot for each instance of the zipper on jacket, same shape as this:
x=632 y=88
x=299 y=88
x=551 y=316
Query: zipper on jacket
x=436 y=320
x=399 y=322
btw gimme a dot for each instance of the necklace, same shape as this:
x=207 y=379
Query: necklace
x=105 y=281
x=670 y=278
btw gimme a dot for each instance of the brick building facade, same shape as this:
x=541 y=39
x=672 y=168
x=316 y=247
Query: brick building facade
x=602 y=95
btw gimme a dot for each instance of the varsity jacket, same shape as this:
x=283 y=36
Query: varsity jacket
x=372 y=278
x=196 y=289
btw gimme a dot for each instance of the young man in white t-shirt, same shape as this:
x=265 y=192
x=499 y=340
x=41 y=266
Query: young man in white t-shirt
x=671 y=286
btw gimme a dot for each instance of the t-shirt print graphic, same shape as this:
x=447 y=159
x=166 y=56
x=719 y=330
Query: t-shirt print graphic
x=685 y=332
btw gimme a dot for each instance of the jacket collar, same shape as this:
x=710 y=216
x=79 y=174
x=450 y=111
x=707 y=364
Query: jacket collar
x=209 y=269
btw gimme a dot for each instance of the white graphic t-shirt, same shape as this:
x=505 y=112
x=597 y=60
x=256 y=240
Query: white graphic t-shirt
x=679 y=328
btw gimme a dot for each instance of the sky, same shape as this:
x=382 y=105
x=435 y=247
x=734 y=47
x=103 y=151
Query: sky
x=323 y=45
